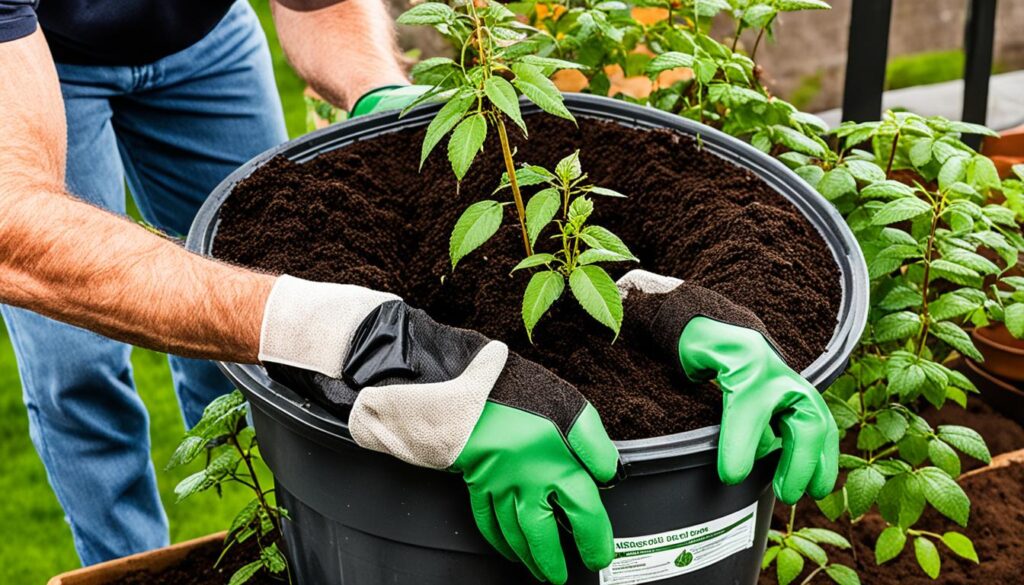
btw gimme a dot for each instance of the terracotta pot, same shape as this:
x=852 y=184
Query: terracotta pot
x=1004 y=354
x=998 y=462
x=154 y=560
x=1006 y=151
x=1006 y=398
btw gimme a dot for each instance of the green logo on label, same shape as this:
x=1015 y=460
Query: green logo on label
x=684 y=558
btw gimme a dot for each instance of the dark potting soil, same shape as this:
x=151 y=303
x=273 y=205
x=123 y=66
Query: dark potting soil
x=997 y=515
x=197 y=568
x=366 y=215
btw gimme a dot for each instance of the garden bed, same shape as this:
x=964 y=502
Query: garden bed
x=367 y=215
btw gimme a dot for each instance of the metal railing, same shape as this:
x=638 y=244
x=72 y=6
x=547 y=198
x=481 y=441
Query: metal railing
x=868 y=53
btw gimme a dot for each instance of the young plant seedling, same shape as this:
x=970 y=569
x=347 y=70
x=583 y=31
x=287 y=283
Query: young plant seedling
x=580 y=246
x=232 y=457
x=494 y=66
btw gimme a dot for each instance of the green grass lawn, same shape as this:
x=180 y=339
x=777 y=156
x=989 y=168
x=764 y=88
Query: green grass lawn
x=36 y=540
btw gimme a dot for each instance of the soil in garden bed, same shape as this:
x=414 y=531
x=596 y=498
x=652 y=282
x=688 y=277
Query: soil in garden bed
x=197 y=568
x=997 y=514
x=366 y=215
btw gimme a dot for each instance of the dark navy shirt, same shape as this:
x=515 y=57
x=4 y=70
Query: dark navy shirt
x=112 y=32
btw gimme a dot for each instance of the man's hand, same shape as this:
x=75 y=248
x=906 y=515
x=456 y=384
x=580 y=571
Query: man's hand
x=343 y=49
x=714 y=338
x=447 y=398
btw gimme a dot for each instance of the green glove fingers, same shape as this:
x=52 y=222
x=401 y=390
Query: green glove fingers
x=541 y=530
x=579 y=498
x=741 y=422
x=508 y=519
x=592 y=446
x=388 y=98
x=827 y=471
x=487 y=522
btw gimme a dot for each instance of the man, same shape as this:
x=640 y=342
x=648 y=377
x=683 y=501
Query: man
x=172 y=96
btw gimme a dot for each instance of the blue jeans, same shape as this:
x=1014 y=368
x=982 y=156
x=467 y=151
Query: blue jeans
x=173 y=130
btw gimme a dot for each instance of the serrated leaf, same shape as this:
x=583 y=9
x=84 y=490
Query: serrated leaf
x=245 y=573
x=833 y=505
x=952 y=171
x=669 y=60
x=890 y=544
x=569 y=168
x=960 y=545
x=900 y=297
x=598 y=295
x=244 y=517
x=957 y=338
x=842 y=575
x=579 y=211
x=788 y=565
x=542 y=291
x=897 y=326
x=444 y=121
x=477 y=224
x=540 y=90
x=550 y=64
x=862 y=487
x=272 y=559
x=886 y=190
x=797 y=141
x=865 y=171
x=966 y=440
x=540 y=210
x=466 y=141
x=945 y=495
x=427 y=13
x=504 y=97
x=594 y=255
x=534 y=261
x=812 y=174
x=869 y=438
x=1013 y=317
x=598 y=237
x=189 y=448
x=825 y=536
x=605 y=192
x=900 y=210
x=808 y=549
x=953 y=304
x=837 y=183
x=892 y=425
x=955 y=273
x=944 y=457
x=971 y=260
x=927 y=556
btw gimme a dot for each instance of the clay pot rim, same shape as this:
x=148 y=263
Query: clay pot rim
x=177 y=551
x=980 y=335
x=1001 y=461
x=976 y=368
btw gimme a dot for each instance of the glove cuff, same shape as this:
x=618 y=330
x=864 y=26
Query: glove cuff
x=310 y=325
x=688 y=301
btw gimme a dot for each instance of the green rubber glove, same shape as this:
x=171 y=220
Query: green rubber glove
x=516 y=464
x=716 y=339
x=387 y=98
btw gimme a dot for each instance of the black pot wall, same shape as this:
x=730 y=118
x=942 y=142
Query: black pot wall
x=362 y=518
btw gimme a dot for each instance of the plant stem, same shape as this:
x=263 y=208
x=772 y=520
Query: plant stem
x=892 y=155
x=510 y=167
x=792 y=520
x=760 y=35
x=813 y=574
x=271 y=513
x=925 y=316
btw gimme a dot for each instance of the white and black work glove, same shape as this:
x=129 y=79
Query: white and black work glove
x=447 y=398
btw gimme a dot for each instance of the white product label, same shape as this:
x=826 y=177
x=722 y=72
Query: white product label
x=643 y=559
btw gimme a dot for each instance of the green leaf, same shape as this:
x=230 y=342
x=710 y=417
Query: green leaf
x=971 y=260
x=598 y=237
x=245 y=573
x=866 y=171
x=550 y=63
x=669 y=60
x=890 y=544
x=221 y=416
x=847 y=461
x=1013 y=317
x=444 y=121
x=534 y=261
x=952 y=171
x=569 y=168
x=540 y=210
x=769 y=556
x=542 y=291
x=540 y=90
x=272 y=559
x=245 y=516
x=796 y=140
x=900 y=297
x=477 y=224
x=812 y=174
x=604 y=192
x=955 y=304
x=824 y=536
x=788 y=565
x=900 y=210
x=960 y=545
x=955 y=273
x=868 y=439
x=842 y=575
x=579 y=211
x=966 y=440
x=945 y=495
x=886 y=190
x=794 y=5
x=594 y=255
x=808 y=549
x=428 y=13
x=837 y=183
x=944 y=457
x=892 y=425
x=598 y=295
x=897 y=326
x=862 y=487
x=833 y=505
x=189 y=448
x=927 y=556
x=467 y=140
x=504 y=97
x=957 y=338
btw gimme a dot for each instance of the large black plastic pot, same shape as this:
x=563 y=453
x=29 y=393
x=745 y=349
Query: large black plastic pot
x=362 y=518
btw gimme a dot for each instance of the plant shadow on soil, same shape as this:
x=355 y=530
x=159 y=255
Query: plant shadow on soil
x=367 y=215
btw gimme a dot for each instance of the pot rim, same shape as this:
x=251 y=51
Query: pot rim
x=314 y=422
x=980 y=333
x=992 y=379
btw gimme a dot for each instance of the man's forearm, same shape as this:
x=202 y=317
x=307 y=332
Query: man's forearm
x=73 y=262
x=342 y=49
